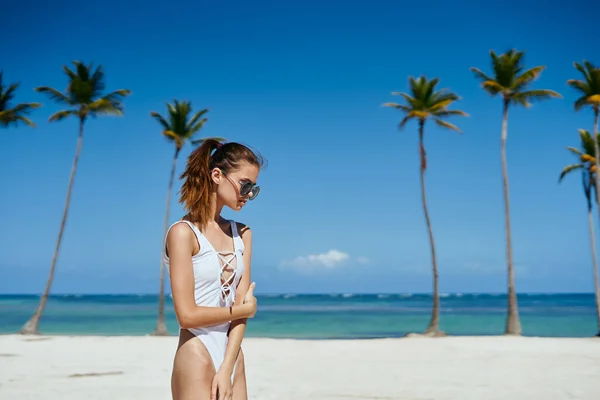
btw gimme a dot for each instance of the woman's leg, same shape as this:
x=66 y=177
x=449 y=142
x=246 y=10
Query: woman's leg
x=193 y=369
x=240 y=392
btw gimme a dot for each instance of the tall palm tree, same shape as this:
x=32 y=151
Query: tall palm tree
x=179 y=127
x=424 y=103
x=589 y=88
x=13 y=115
x=84 y=98
x=587 y=164
x=510 y=81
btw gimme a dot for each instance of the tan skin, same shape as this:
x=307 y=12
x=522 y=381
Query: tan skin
x=194 y=376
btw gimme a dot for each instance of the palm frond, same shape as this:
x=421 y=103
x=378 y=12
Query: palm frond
x=161 y=120
x=117 y=95
x=493 y=87
x=527 y=77
x=174 y=137
x=25 y=120
x=409 y=99
x=59 y=116
x=72 y=75
x=439 y=105
x=581 y=69
x=580 y=103
x=447 y=113
x=397 y=106
x=7 y=95
x=524 y=98
x=55 y=95
x=103 y=106
x=480 y=75
x=446 y=125
x=587 y=142
x=579 y=85
x=569 y=168
x=25 y=107
x=404 y=121
x=440 y=99
x=196 y=118
x=195 y=128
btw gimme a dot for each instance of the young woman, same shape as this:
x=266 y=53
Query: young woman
x=208 y=259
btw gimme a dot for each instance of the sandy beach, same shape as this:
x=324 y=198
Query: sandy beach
x=102 y=368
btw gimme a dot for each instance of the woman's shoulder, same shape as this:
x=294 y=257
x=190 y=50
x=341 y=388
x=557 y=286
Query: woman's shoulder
x=180 y=230
x=243 y=230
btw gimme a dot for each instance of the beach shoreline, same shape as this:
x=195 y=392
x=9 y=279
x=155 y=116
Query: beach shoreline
x=316 y=316
x=452 y=367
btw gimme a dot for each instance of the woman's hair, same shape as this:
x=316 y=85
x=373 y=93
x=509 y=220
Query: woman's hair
x=196 y=188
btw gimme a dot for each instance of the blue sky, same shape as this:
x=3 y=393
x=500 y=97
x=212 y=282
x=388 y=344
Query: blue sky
x=303 y=82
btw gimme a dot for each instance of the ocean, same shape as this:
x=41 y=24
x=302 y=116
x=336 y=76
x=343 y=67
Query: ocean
x=327 y=316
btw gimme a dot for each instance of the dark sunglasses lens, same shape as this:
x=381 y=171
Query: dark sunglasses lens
x=246 y=188
x=255 y=191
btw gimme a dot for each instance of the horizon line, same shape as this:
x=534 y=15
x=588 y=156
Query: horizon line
x=294 y=293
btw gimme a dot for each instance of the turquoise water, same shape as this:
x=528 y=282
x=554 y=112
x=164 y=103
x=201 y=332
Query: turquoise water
x=316 y=316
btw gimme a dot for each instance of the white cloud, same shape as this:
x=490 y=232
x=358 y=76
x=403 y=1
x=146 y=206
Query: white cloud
x=332 y=259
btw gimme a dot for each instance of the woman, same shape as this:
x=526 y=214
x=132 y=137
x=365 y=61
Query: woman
x=208 y=259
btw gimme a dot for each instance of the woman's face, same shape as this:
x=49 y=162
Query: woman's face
x=236 y=187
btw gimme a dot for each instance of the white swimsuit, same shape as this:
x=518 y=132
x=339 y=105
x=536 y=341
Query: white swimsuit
x=211 y=289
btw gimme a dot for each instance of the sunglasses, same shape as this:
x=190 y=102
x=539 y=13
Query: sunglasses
x=246 y=187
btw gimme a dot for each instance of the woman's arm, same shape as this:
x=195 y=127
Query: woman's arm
x=181 y=241
x=238 y=327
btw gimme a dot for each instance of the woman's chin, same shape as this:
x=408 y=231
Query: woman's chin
x=238 y=205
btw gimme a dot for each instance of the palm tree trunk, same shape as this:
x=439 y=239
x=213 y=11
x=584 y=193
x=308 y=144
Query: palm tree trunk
x=597 y=152
x=31 y=326
x=161 y=327
x=513 y=324
x=596 y=186
x=433 y=328
x=594 y=260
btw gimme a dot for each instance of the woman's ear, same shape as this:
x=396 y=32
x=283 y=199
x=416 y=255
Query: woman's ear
x=216 y=175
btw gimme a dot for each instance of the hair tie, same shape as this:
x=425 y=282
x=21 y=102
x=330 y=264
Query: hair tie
x=219 y=145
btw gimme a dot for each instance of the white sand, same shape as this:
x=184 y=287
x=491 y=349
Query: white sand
x=460 y=368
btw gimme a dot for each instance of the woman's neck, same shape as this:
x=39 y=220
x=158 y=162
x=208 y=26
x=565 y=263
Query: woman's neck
x=215 y=208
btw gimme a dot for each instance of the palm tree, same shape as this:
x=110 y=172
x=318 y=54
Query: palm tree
x=510 y=81
x=589 y=89
x=13 y=115
x=84 y=99
x=587 y=163
x=179 y=128
x=422 y=104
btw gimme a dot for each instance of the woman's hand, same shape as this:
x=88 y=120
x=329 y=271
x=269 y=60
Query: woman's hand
x=250 y=300
x=221 y=386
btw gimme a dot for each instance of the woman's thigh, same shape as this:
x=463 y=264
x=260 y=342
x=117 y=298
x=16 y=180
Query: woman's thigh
x=193 y=369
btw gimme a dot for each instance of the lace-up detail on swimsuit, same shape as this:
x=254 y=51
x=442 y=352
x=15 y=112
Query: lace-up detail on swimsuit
x=228 y=261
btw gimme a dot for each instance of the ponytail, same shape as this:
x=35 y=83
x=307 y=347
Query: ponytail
x=195 y=191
